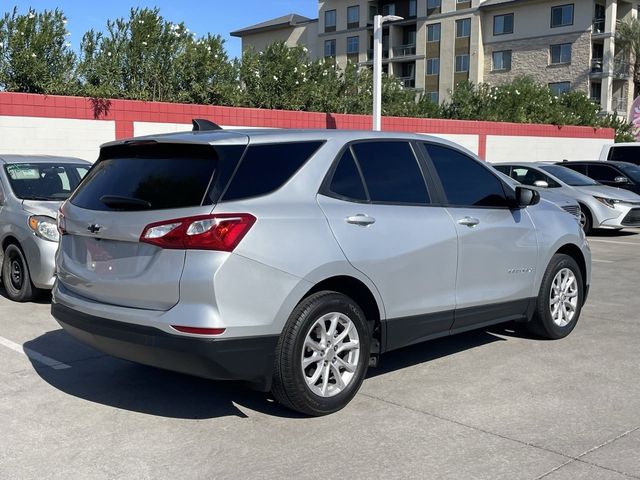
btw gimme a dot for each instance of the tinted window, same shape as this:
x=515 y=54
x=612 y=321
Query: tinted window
x=265 y=168
x=631 y=171
x=40 y=181
x=577 y=168
x=391 y=172
x=529 y=176
x=625 y=154
x=465 y=181
x=150 y=177
x=603 y=173
x=567 y=176
x=346 y=180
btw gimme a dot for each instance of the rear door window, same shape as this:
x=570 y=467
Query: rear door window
x=266 y=168
x=580 y=168
x=391 y=172
x=152 y=177
x=466 y=183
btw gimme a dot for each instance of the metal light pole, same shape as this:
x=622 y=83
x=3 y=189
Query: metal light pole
x=378 y=20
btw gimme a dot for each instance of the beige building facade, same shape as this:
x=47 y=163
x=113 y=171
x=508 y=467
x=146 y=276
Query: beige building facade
x=568 y=45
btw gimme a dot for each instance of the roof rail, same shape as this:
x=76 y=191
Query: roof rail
x=203 y=124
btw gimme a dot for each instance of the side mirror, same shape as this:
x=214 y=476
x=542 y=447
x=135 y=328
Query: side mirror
x=621 y=179
x=526 y=197
x=541 y=184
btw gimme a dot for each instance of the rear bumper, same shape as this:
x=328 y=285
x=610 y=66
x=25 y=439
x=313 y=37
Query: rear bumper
x=247 y=359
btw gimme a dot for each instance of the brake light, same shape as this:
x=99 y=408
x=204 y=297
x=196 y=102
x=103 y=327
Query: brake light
x=205 y=232
x=199 y=330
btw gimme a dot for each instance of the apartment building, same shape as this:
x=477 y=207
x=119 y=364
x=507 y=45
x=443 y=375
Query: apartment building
x=568 y=45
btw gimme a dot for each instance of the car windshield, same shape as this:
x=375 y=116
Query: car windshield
x=630 y=170
x=44 y=181
x=568 y=176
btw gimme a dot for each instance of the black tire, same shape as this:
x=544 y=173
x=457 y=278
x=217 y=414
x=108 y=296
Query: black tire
x=289 y=385
x=15 y=276
x=542 y=323
x=587 y=223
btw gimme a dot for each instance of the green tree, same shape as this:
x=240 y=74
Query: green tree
x=146 y=57
x=628 y=38
x=35 y=56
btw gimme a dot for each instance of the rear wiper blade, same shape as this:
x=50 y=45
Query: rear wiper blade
x=117 y=201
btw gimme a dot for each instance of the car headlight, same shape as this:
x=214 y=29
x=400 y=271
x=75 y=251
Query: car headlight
x=44 y=227
x=609 y=202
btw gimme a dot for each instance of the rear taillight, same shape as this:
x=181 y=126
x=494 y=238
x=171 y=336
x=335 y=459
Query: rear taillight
x=206 y=232
x=199 y=330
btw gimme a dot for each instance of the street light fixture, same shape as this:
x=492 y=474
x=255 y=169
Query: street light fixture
x=378 y=20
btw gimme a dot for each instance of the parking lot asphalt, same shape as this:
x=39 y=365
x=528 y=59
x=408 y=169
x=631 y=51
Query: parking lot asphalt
x=489 y=404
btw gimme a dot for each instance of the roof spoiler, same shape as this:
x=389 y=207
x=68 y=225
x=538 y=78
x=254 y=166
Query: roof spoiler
x=203 y=124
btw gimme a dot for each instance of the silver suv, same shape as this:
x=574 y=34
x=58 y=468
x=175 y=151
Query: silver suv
x=32 y=187
x=292 y=259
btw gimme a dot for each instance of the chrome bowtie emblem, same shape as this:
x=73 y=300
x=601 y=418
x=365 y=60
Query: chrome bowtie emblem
x=94 y=228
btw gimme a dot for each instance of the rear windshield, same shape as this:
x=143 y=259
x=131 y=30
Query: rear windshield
x=166 y=176
x=155 y=177
x=44 y=181
x=568 y=176
x=625 y=154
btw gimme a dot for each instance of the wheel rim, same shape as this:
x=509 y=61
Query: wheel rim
x=16 y=274
x=563 y=301
x=331 y=354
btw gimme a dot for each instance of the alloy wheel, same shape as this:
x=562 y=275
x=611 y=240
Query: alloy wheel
x=563 y=300
x=330 y=354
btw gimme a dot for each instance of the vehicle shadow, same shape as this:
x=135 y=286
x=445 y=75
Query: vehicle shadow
x=42 y=299
x=432 y=350
x=613 y=233
x=109 y=381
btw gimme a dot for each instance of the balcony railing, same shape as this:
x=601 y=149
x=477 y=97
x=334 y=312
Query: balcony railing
x=619 y=104
x=621 y=69
x=598 y=25
x=408 y=82
x=404 y=50
x=597 y=65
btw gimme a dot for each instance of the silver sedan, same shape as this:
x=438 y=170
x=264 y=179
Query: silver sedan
x=601 y=206
x=31 y=191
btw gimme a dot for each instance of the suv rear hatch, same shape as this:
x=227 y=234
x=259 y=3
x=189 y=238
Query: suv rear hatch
x=132 y=185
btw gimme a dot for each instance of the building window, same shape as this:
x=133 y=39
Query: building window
x=560 y=53
x=433 y=66
x=353 y=16
x=433 y=97
x=353 y=45
x=330 y=21
x=389 y=9
x=463 y=28
x=501 y=61
x=462 y=63
x=329 y=48
x=503 y=24
x=433 y=33
x=558 y=88
x=562 y=15
x=413 y=8
x=433 y=4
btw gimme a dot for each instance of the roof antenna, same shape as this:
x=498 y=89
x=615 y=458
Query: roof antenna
x=203 y=124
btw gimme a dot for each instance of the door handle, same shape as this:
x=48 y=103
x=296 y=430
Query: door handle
x=469 y=221
x=360 y=219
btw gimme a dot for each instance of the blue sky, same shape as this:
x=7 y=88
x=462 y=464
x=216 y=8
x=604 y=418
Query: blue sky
x=214 y=16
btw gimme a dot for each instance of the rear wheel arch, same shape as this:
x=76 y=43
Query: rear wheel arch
x=360 y=293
